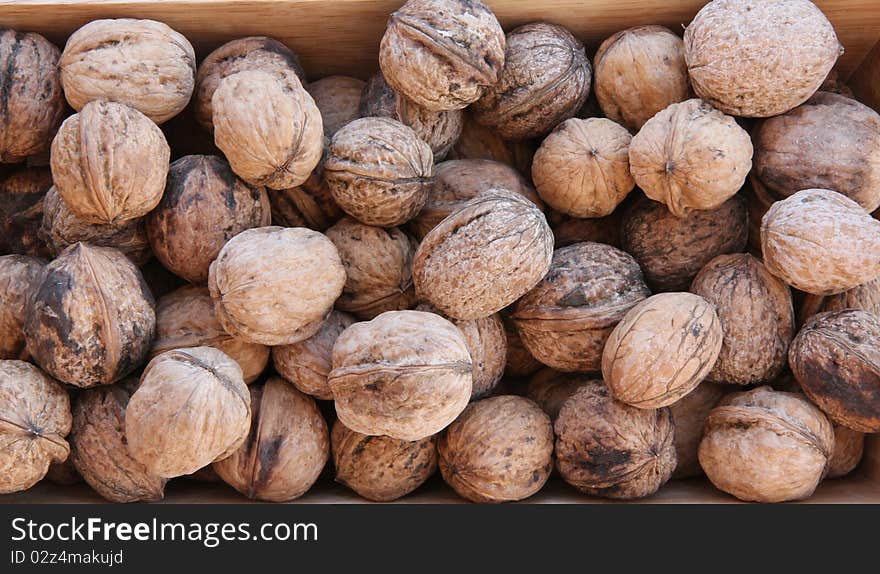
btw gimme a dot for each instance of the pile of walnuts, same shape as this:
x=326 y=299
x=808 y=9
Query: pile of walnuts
x=495 y=257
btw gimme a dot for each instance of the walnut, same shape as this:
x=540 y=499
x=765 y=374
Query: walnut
x=99 y=450
x=519 y=361
x=480 y=142
x=808 y=241
x=203 y=207
x=689 y=415
x=109 y=163
x=442 y=54
x=35 y=415
x=849 y=445
x=21 y=211
x=606 y=448
x=550 y=389
x=33 y=103
x=405 y=374
x=582 y=167
x=483 y=257
x=756 y=314
x=865 y=297
x=499 y=449
x=275 y=285
x=661 y=350
x=286 y=449
x=91 y=317
x=766 y=446
x=672 y=250
x=638 y=72
x=19 y=275
x=141 y=63
x=566 y=319
x=185 y=318
x=568 y=230
x=381 y=468
x=758 y=59
x=379 y=171
x=690 y=156
x=310 y=204
x=378 y=268
x=166 y=433
x=338 y=98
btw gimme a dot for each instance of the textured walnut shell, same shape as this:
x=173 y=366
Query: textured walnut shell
x=638 y=72
x=582 y=167
x=286 y=449
x=99 y=450
x=690 y=156
x=483 y=257
x=606 y=448
x=550 y=389
x=661 y=350
x=191 y=408
x=185 y=318
x=140 y=63
x=109 y=163
x=766 y=446
x=672 y=250
x=378 y=268
x=849 y=445
x=821 y=242
x=759 y=59
x=275 y=285
x=338 y=98
x=308 y=205
x=21 y=211
x=405 y=374
x=480 y=142
x=442 y=54
x=381 y=468
x=568 y=230
x=34 y=419
x=756 y=315
x=379 y=171
x=865 y=297
x=91 y=317
x=689 y=415
x=203 y=207
x=499 y=449
x=33 y=103
x=19 y=275
x=519 y=361
x=565 y=320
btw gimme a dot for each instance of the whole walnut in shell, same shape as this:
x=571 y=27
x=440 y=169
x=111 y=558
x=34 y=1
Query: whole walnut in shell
x=566 y=319
x=484 y=256
x=339 y=99
x=442 y=54
x=550 y=389
x=140 y=63
x=865 y=297
x=405 y=374
x=310 y=204
x=758 y=59
x=19 y=275
x=690 y=156
x=519 y=361
x=609 y=449
x=638 y=72
x=480 y=142
x=203 y=207
x=275 y=285
x=766 y=446
x=286 y=449
x=661 y=350
x=689 y=415
x=191 y=408
x=499 y=449
x=21 y=211
x=849 y=445
x=90 y=318
x=35 y=412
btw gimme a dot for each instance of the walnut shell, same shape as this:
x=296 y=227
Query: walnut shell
x=519 y=361
x=849 y=445
x=308 y=205
x=191 y=408
x=338 y=98
x=483 y=257
x=379 y=171
x=442 y=54
x=566 y=319
x=690 y=156
x=480 y=142
x=821 y=242
x=550 y=389
x=638 y=72
x=405 y=374
x=758 y=59
x=606 y=448
x=499 y=449
x=35 y=417
x=19 y=275
x=381 y=468
x=109 y=163
x=91 y=317
x=661 y=350
x=689 y=415
x=140 y=63
x=275 y=285
x=865 y=297
x=203 y=207
x=21 y=211
x=286 y=449
x=766 y=446
x=756 y=315
x=569 y=230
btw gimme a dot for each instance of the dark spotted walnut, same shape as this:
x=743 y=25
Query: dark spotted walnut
x=19 y=276
x=689 y=416
x=338 y=98
x=550 y=389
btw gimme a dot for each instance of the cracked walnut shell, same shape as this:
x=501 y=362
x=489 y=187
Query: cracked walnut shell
x=19 y=275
